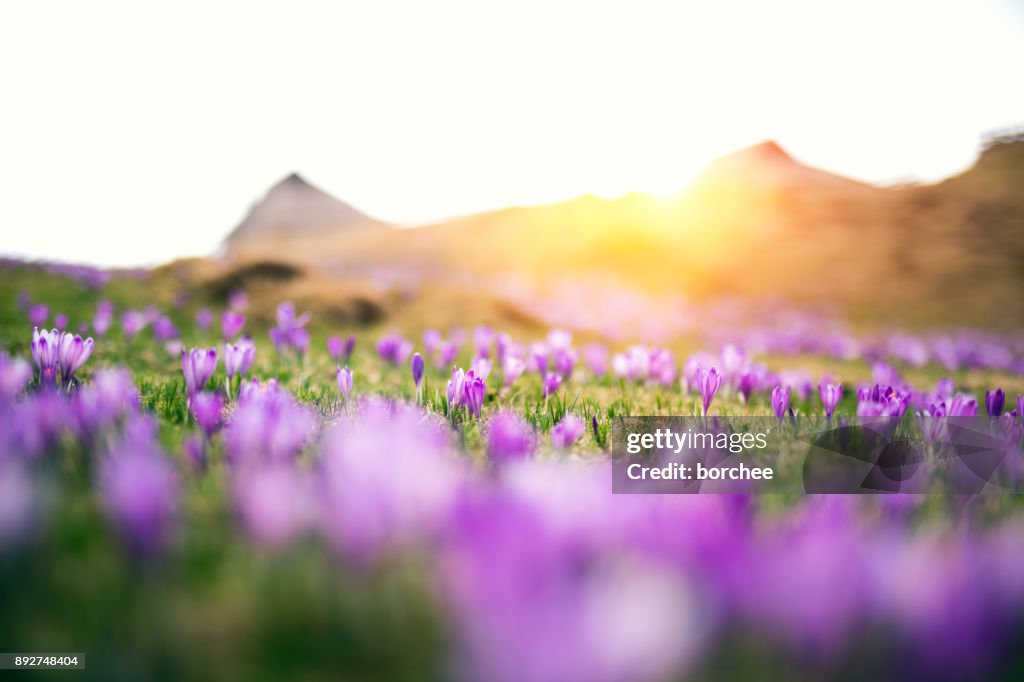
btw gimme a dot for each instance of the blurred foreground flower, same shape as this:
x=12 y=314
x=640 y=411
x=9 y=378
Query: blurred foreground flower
x=566 y=432
x=15 y=373
x=140 y=488
x=509 y=437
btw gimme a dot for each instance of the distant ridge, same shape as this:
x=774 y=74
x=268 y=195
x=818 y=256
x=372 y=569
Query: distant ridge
x=768 y=165
x=295 y=208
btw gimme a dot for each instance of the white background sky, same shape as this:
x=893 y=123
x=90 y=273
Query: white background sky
x=132 y=133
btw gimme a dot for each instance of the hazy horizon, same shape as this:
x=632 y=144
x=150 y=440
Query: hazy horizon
x=157 y=137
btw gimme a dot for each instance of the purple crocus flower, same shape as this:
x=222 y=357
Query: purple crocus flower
x=432 y=342
x=74 y=351
x=111 y=395
x=238 y=357
x=595 y=356
x=932 y=422
x=830 y=394
x=140 y=490
x=393 y=349
x=661 y=367
x=780 y=402
x=708 y=383
x=483 y=337
x=746 y=384
x=482 y=367
x=267 y=424
x=15 y=373
x=563 y=361
x=238 y=300
x=343 y=375
x=61 y=321
x=566 y=432
x=335 y=346
x=962 y=405
x=104 y=317
x=231 y=323
x=204 y=318
x=502 y=344
x=18 y=504
x=474 y=390
x=534 y=595
x=416 y=365
x=46 y=352
x=38 y=314
x=538 y=360
x=132 y=322
x=994 y=402
x=944 y=389
x=512 y=368
x=454 y=392
x=272 y=501
x=290 y=332
x=206 y=409
x=509 y=437
x=194 y=451
x=386 y=480
x=198 y=365
x=164 y=329
x=447 y=355
x=550 y=384
x=1020 y=406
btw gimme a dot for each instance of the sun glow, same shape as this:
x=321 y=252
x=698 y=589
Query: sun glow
x=414 y=112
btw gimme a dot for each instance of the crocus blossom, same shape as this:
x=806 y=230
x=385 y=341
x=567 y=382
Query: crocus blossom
x=231 y=323
x=994 y=402
x=74 y=352
x=343 y=377
x=198 y=365
x=46 y=352
x=830 y=395
x=708 y=383
x=238 y=357
x=416 y=366
x=566 y=432
x=780 y=402
x=509 y=437
x=550 y=384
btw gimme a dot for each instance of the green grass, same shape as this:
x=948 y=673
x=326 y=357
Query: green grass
x=218 y=607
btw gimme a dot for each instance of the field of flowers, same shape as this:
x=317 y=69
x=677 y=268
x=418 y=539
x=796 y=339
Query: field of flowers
x=186 y=492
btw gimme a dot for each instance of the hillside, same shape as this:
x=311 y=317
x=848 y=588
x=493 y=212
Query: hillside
x=756 y=224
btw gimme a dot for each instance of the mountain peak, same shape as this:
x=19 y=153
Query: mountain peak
x=768 y=165
x=295 y=207
x=769 y=150
x=294 y=178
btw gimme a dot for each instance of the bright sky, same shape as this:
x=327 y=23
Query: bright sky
x=131 y=134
